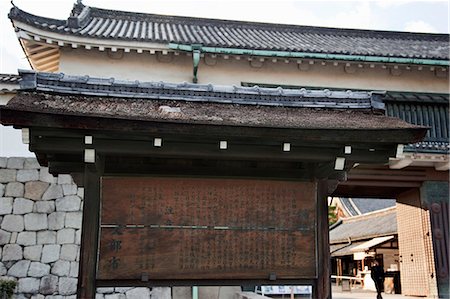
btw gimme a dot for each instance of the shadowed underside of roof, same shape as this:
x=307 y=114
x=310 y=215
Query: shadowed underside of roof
x=118 y=25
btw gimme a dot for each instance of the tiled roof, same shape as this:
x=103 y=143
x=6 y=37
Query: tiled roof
x=9 y=79
x=110 y=87
x=358 y=206
x=371 y=225
x=204 y=104
x=99 y=23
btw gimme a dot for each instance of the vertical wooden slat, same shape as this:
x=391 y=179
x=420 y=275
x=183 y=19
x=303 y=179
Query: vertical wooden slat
x=89 y=233
x=322 y=289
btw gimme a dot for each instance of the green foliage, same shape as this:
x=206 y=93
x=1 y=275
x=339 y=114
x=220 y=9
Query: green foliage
x=7 y=288
x=332 y=217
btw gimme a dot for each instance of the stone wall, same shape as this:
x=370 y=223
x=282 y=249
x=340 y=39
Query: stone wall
x=40 y=232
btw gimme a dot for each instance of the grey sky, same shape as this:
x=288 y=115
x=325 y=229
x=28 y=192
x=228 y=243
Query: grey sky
x=417 y=16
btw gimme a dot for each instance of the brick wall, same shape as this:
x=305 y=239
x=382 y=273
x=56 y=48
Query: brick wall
x=416 y=252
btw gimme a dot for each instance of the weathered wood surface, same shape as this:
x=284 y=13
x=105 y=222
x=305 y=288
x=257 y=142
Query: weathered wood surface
x=188 y=228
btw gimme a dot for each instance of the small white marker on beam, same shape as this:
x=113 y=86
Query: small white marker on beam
x=25 y=135
x=339 y=163
x=347 y=150
x=60 y=43
x=87 y=47
x=127 y=50
x=286 y=147
x=89 y=155
x=371 y=149
x=74 y=45
x=88 y=139
x=139 y=51
x=399 y=153
x=157 y=142
x=101 y=48
x=223 y=145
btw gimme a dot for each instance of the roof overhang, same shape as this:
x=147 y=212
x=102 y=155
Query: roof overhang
x=440 y=162
x=371 y=243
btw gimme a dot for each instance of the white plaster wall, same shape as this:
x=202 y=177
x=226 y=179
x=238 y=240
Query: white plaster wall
x=148 y=67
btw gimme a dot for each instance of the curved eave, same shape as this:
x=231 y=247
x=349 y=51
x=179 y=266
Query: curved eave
x=55 y=39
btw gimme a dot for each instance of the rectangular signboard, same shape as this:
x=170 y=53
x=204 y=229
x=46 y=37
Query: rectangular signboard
x=201 y=229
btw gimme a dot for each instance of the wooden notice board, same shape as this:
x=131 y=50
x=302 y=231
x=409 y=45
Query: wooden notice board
x=201 y=229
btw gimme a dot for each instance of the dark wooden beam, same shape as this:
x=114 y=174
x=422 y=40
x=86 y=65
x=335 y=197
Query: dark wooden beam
x=382 y=136
x=89 y=232
x=322 y=288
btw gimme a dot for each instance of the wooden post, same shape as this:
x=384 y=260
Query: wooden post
x=89 y=233
x=322 y=289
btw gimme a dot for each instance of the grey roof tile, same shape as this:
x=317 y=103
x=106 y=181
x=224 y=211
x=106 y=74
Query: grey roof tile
x=86 y=85
x=366 y=226
x=108 y=24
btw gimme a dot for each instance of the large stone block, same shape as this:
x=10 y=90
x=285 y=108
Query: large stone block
x=14 y=189
x=80 y=192
x=32 y=253
x=73 y=220
x=65 y=236
x=139 y=293
x=23 y=206
x=3 y=162
x=78 y=237
x=45 y=176
x=69 y=189
x=7 y=175
x=69 y=252
x=36 y=221
x=3 y=269
x=50 y=253
x=26 y=175
x=31 y=163
x=6 y=205
x=19 y=269
x=61 y=268
x=67 y=285
x=4 y=237
x=46 y=237
x=28 y=285
x=162 y=293
x=12 y=252
x=53 y=192
x=38 y=269
x=56 y=220
x=122 y=289
x=35 y=189
x=2 y=189
x=13 y=223
x=105 y=290
x=26 y=238
x=45 y=206
x=69 y=203
x=49 y=285
x=74 y=269
x=15 y=163
x=64 y=179
x=99 y=296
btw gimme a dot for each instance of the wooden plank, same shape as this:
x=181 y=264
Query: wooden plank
x=322 y=289
x=89 y=233
x=189 y=228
